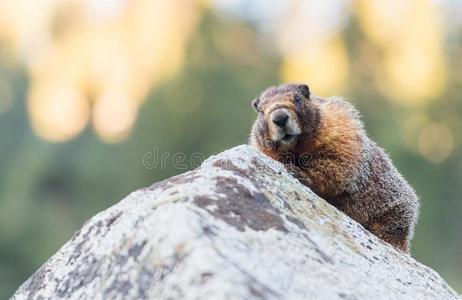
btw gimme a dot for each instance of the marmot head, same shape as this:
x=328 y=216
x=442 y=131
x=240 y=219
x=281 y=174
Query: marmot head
x=286 y=114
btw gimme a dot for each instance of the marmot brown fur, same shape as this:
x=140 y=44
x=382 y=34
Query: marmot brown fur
x=324 y=144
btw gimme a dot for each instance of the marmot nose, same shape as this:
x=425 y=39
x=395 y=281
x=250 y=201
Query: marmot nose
x=280 y=118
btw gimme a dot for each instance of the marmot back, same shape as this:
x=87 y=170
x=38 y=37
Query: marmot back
x=322 y=142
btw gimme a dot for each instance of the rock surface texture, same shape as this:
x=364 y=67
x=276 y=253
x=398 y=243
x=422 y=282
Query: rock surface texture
x=238 y=227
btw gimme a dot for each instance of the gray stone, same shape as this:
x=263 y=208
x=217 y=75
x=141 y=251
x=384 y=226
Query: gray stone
x=238 y=227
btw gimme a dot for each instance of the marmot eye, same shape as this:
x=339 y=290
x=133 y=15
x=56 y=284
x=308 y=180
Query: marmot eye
x=297 y=99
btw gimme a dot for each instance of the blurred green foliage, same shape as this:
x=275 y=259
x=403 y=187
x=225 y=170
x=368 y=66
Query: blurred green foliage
x=48 y=190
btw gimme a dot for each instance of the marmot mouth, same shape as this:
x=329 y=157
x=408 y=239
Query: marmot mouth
x=288 y=138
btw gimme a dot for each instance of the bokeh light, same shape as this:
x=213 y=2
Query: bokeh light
x=94 y=47
x=324 y=65
x=436 y=142
x=113 y=116
x=58 y=112
x=410 y=35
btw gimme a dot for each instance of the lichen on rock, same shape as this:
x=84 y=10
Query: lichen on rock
x=238 y=227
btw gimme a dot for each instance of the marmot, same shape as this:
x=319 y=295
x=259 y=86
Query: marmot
x=322 y=141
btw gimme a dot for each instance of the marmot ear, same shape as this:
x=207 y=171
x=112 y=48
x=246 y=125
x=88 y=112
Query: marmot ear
x=256 y=103
x=305 y=90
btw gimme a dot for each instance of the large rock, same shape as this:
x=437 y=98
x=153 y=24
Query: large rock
x=238 y=227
